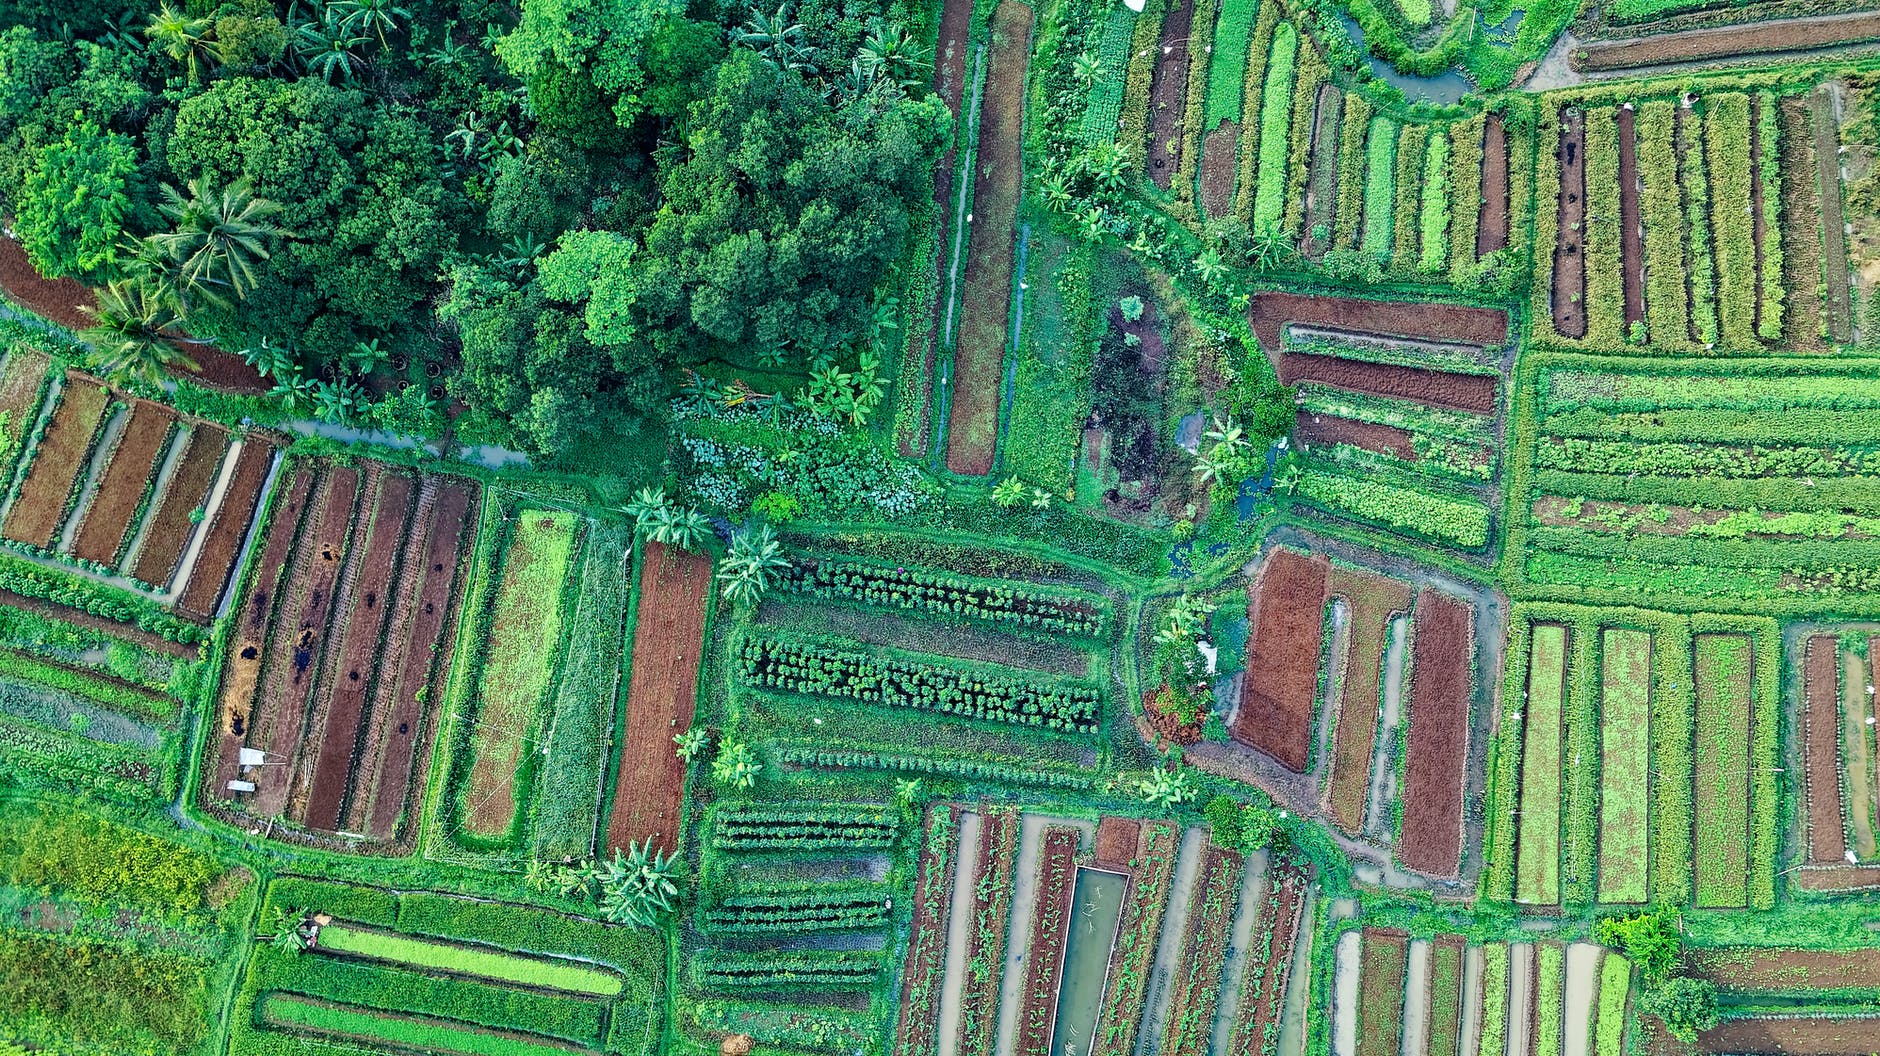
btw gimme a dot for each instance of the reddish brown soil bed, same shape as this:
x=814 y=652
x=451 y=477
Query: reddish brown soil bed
x=1380 y=991
x=1315 y=429
x=1274 y=310
x=1804 y=1036
x=675 y=587
x=1821 y=750
x=121 y=487
x=367 y=591
x=1168 y=95
x=916 y=1030
x=1748 y=968
x=39 y=509
x=1263 y=988
x=183 y=494
x=985 y=304
x=1631 y=236
x=1752 y=39
x=1116 y=842
x=1438 y=750
x=1833 y=223
x=1491 y=229
x=1220 y=150
x=215 y=562
x=61 y=300
x=415 y=667
x=1287 y=617
x=1569 y=291
x=1050 y=926
x=1438 y=388
x=1373 y=600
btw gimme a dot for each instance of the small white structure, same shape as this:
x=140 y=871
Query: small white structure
x=253 y=757
x=241 y=786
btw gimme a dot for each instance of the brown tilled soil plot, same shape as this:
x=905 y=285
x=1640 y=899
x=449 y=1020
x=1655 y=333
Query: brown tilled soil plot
x=1491 y=229
x=61 y=300
x=222 y=547
x=1438 y=749
x=1438 y=388
x=1274 y=310
x=241 y=672
x=985 y=304
x=184 y=493
x=1168 y=95
x=39 y=508
x=1386 y=953
x=1800 y=1036
x=1116 y=842
x=20 y=384
x=668 y=634
x=1314 y=429
x=1748 y=969
x=1801 y=231
x=1569 y=290
x=1373 y=600
x=1726 y=41
x=1220 y=153
x=1050 y=925
x=1287 y=620
x=133 y=460
x=353 y=667
x=1821 y=750
x=423 y=641
x=1631 y=233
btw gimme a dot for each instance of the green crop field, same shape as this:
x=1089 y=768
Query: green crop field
x=499 y=966
x=1624 y=764
x=1539 y=867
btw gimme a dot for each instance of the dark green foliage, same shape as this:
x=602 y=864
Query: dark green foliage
x=788 y=908
x=117 y=998
x=1650 y=940
x=835 y=970
x=753 y=827
x=75 y=199
x=1685 y=1004
x=941 y=594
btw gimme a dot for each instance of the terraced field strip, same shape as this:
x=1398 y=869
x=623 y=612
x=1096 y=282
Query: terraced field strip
x=58 y=459
x=297 y=637
x=354 y=1023
x=119 y=497
x=1492 y=1035
x=1834 y=262
x=1050 y=931
x=1857 y=754
x=1569 y=263
x=1286 y=615
x=1144 y=906
x=1728 y=160
x=1437 y=752
x=924 y=975
x=1373 y=600
x=425 y=638
x=1615 y=987
x=1803 y=1035
x=1721 y=768
x=1196 y=986
x=1444 y=1015
x=986 y=935
x=668 y=637
x=1624 y=765
x=1537 y=870
x=23 y=382
x=187 y=491
x=1827 y=833
x=1168 y=92
x=1697 y=45
x=1380 y=992
x=227 y=529
x=1548 y=1004
x=1437 y=388
x=354 y=666
x=512 y=968
x=1264 y=985
x=979 y=358
x=518 y=653
x=1801 y=229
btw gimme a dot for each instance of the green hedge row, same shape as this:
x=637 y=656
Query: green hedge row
x=1144 y=50
x=1407 y=210
x=1252 y=103
x=1727 y=159
x=1693 y=177
x=1348 y=215
x=1380 y=198
x=1605 y=272
x=795 y=907
x=764 y=827
x=1051 y=610
x=1233 y=31
x=1667 y=298
x=919 y=683
x=785 y=970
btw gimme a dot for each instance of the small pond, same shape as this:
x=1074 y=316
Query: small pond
x=1096 y=908
x=1444 y=88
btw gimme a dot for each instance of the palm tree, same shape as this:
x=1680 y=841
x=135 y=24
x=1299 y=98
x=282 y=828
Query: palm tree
x=736 y=765
x=130 y=342
x=755 y=560
x=219 y=236
x=776 y=38
x=637 y=887
x=183 y=38
x=330 y=47
x=379 y=16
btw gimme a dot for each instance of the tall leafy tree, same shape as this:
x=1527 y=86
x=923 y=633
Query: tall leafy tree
x=75 y=199
x=608 y=39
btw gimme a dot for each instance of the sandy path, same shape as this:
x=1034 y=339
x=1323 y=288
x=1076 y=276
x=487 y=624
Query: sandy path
x=1345 y=996
x=1168 y=945
x=1520 y=998
x=1472 y=972
x=1384 y=757
x=1024 y=901
x=959 y=922
x=1416 y=999
x=1252 y=893
x=1292 y=1022
x=1582 y=995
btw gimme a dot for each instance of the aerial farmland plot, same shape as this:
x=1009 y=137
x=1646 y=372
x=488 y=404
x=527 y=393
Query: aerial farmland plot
x=958 y=528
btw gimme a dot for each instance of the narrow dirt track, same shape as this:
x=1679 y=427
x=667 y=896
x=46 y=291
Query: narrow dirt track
x=1569 y=288
x=1827 y=838
x=1631 y=231
x=1491 y=231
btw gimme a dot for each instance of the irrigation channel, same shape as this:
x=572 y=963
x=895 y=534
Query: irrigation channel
x=1096 y=910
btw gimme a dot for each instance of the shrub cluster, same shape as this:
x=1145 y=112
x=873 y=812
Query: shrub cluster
x=950 y=595
x=791 y=970
x=938 y=766
x=892 y=681
x=793 y=907
x=753 y=827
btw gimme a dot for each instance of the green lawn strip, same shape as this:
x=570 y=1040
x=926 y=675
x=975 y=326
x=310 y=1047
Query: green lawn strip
x=490 y=964
x=1537 y=871
x=518 y=662
x=422 y=1034
x=1615 y=985
x=1494 y=1036
x=1269 y=204
x=1765 y=758
x=1670 y=839
x=1433 y=218
x=373 y=985
x=1233 y=31
x=1624 y=765
x=1548 y=998
x=581 y=731
x=1446 y=979
x=1380 y=201
x=1721 y=769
